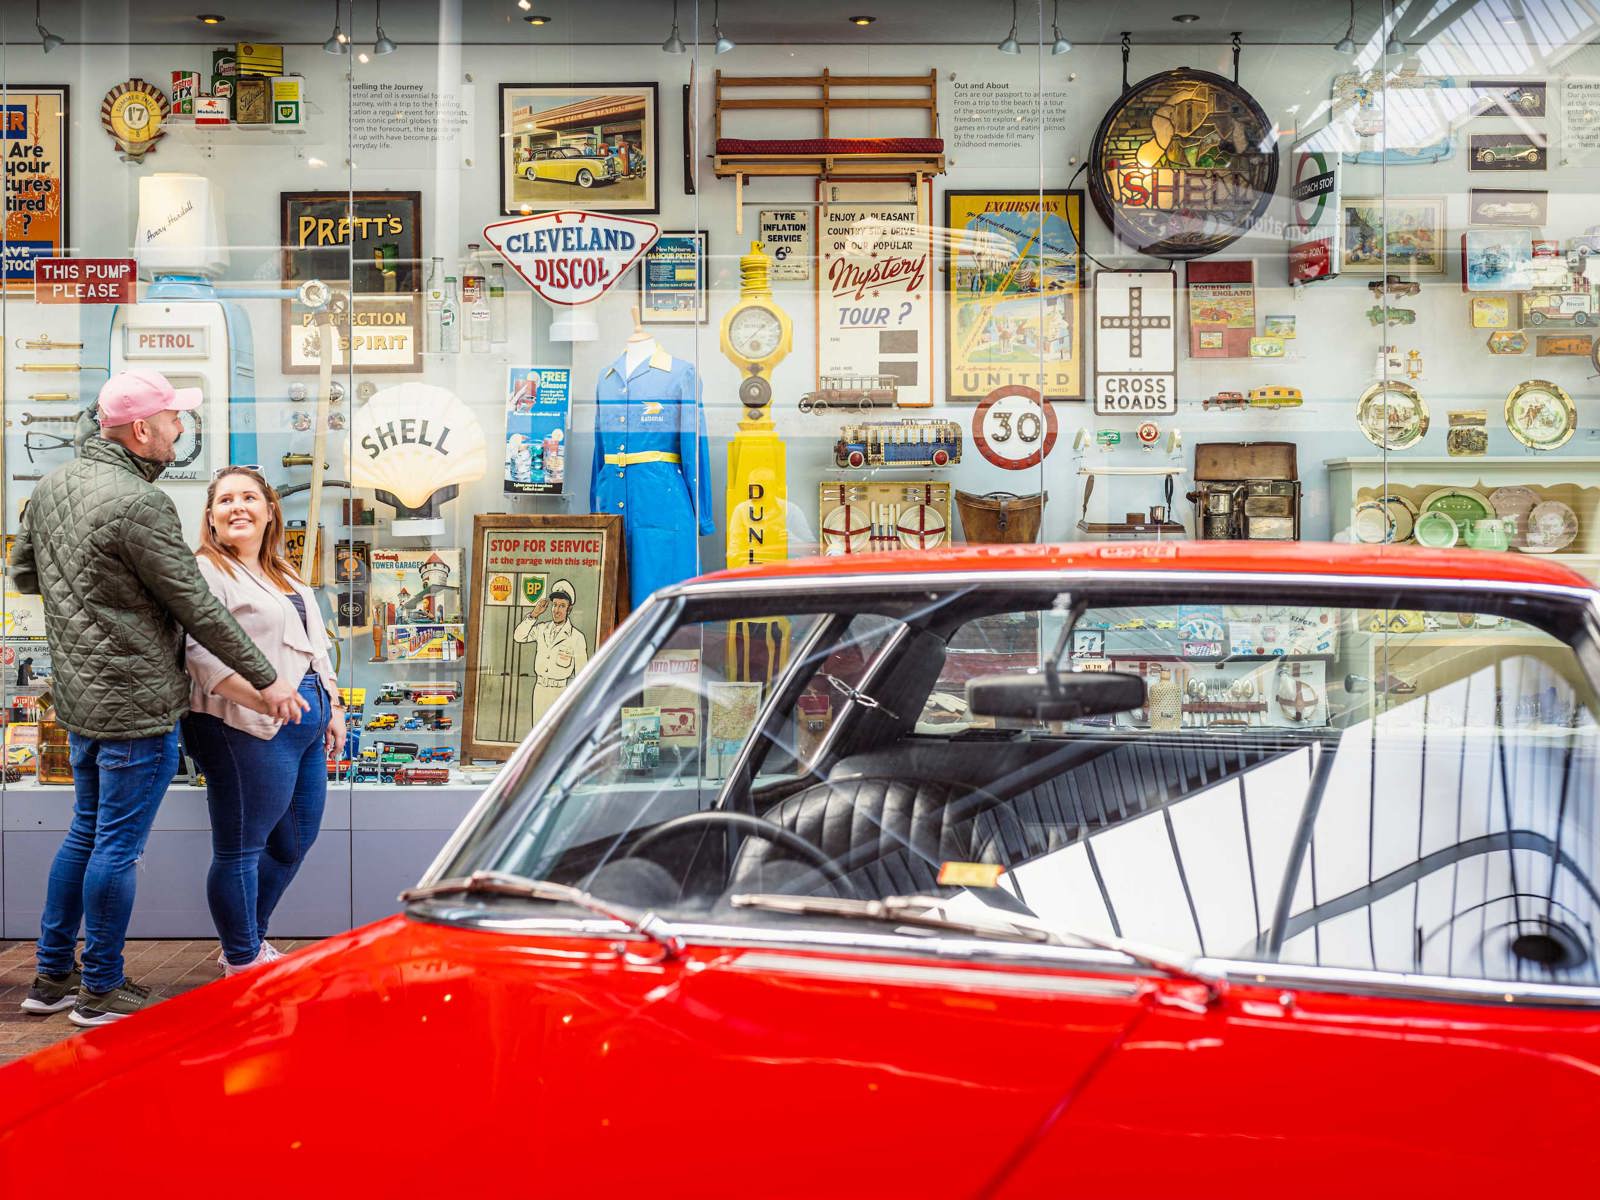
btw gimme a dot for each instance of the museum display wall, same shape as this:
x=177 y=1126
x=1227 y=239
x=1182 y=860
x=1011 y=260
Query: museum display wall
x=560 y=276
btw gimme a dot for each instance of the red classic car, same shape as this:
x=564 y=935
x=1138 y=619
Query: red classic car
x=1271 y=867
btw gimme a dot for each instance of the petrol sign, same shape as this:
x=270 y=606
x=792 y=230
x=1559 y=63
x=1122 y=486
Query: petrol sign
x=571 y=257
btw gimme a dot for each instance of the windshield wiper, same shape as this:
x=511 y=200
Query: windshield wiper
x=503 y=883
x=927 y=912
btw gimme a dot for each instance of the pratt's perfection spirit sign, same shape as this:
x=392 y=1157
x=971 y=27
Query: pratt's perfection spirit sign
x=1183 y=164
x=571 y=257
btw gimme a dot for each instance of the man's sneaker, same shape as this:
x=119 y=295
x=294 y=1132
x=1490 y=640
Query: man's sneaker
x=265 y=954
x=52 y=993
x=102 y=1008
x=270 y=953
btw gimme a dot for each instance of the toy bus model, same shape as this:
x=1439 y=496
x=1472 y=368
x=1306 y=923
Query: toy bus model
x=1276 y=397
x=908 y=443
x=851 y=391
x=406 y=775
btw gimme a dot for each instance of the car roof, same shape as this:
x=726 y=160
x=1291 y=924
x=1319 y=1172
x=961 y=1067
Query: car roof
x=1289 y=558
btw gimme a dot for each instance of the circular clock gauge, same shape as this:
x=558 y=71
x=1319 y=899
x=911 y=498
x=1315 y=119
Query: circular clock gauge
x=1540 y=415
x=755 y=333
x=755 y=392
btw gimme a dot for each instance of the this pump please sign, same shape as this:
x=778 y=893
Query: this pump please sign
x=571 y=257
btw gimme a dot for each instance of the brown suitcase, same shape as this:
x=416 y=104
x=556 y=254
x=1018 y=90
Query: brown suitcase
x=1001 y=516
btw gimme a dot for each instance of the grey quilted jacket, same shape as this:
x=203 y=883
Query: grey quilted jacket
x=104 y=547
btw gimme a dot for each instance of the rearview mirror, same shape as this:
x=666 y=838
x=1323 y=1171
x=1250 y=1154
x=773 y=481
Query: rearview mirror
x=1032 y=695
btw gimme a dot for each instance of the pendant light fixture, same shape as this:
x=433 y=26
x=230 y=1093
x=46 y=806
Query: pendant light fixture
x=724 y=43
x=1347 y=44
x=1061 y=45
x=47 y=39
x=674 y=43
x=337 y=43
x=1008 y=44
x=383 y=44
x=1394 y=45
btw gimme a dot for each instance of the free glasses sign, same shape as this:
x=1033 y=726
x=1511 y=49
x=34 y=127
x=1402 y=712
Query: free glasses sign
x=1135 y=342
x=571 y=257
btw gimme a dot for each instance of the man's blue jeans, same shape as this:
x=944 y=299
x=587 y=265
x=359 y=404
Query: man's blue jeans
x=120 y=785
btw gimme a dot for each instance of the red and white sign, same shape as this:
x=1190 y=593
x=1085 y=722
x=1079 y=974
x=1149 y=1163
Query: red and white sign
x=1149 y=431
x=1014 y=427
x=84 y=280
x=571 y=257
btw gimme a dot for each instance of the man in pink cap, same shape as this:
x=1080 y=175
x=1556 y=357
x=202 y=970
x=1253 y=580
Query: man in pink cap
x=103 y=546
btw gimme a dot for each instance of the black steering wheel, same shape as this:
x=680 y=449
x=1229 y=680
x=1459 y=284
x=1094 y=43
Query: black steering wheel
x=757 y=826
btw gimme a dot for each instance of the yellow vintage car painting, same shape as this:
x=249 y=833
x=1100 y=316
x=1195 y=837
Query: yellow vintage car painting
x=570 y=164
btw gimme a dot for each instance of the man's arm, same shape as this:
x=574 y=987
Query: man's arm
x=152 y=545
x=23 y=571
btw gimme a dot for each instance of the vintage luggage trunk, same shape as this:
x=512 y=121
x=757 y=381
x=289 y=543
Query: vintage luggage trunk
x=1246 y=490
x=1001 y=516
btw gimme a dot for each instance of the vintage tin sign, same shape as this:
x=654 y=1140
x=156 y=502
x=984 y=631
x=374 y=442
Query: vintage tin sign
x=166 y=341
x=1136 y=342
x=1183 y=164
x=133 y=113
x=571 y=257
x=36 y=121
x=1315 y=245
x=1014 y=427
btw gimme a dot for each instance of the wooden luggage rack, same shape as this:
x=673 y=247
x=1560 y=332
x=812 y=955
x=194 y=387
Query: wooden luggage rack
x=911 y=158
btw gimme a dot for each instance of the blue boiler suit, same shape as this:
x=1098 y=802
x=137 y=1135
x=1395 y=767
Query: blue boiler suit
x=652 y=468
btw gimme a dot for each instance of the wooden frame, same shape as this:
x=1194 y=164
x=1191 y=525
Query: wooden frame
x=349 y=266
x=600 y=196
x=19 y=97
x=511 y=578
x=1397 y=217
x=817 y=96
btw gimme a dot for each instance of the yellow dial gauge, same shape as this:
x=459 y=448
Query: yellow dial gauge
x=755 y=333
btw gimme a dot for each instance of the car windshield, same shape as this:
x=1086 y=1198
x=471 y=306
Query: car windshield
x=1399 y=782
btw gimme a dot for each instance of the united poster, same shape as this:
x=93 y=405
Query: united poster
x=1015 y=296
x=36 y=179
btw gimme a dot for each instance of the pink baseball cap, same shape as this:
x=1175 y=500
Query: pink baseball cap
x=139 y=392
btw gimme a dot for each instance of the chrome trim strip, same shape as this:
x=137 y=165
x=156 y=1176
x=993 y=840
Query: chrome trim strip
x=870 y=971
x=1400 y=986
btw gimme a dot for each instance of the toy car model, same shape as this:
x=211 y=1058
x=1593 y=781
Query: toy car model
x=429 y=718
x=570 y=164
x=851 y=391
x=1394 y=285
x=406 y=775
x=436 y=754
x=366 y=773
x=394 y=693
x=383 y=721
x=1106 y=934
x=909 y=443
x=1523 y=152
x=1559 y=308
x=1586 y=243
x=1225 y=400
x=411 y=723
x=1276 y=397
x=1378 y=314
x=338 y=771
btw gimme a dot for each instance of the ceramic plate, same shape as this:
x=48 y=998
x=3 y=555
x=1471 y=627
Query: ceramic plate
x=1552 y=526
x=1462 y=505
x=1512 y=505
x=1372 y=523
x=1404 y=514
x=1392 y=415
x=1541 y=415
x=1436 y=530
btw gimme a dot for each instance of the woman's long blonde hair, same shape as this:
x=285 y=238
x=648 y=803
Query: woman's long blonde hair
x=272 y=562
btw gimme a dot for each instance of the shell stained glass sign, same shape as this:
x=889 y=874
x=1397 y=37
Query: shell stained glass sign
x=1183 y=164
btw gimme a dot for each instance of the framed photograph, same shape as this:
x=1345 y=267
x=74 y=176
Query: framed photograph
x=36 y=179
x=593 y=146
x=672 y=280
x=1014 y=292
x=1509 y=97
x=546 y=591
x=1507 y=206
x=372 y=240
x=1497 y=260
x=1507 y=152
x=1394 y=234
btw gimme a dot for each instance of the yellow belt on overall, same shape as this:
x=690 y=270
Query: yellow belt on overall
x=643 y=456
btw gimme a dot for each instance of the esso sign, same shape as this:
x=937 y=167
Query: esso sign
x=571 y=257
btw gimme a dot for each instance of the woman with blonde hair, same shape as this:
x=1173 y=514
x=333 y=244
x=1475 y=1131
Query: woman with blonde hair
x=266 y=780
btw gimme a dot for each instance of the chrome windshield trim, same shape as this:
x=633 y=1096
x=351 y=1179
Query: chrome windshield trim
x=1401 y=986
x=913 y=974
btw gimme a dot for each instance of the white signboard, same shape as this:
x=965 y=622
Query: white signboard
x=786 y=238
x=571 y=257
x=1135 y=342
x=1580 y=119
x=875 y=289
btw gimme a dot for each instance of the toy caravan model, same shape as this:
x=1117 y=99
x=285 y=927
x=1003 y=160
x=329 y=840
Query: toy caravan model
x=1276 y=397
x=841 y=390
x=908 y=443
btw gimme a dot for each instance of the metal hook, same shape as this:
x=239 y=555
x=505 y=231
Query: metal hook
x=1237 y=42
x=1127 y=50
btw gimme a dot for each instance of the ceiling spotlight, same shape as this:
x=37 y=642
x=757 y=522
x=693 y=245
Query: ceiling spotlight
x=363 y=58
x=862 y=20
x=1060 y=45
x=46 y=39
x=1186 y=18
x=524 y=5
x=1394 y=45
x=210 y=18
x=1008 y=45
x=383 y=44
x=1347 y=44
x=538 y=19
x=674 y=43
x=337 y=43
x=724 y=43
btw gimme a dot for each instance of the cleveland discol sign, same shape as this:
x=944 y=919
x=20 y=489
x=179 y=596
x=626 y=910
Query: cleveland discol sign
x=1183 y=164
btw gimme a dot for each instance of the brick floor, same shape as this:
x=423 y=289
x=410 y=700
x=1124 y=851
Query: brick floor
x=167 y=967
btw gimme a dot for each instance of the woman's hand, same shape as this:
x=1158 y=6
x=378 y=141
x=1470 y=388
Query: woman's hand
x=333 y=739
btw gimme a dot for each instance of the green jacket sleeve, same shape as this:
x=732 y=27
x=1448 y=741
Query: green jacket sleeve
x=152 y=546
x=22 y=569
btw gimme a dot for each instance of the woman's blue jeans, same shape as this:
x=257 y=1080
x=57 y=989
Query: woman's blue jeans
x=266 y=800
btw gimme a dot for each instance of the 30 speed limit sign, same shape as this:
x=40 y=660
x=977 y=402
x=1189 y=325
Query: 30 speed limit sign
x=1014 y=427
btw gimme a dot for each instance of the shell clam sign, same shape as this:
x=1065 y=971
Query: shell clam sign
x=571 y=257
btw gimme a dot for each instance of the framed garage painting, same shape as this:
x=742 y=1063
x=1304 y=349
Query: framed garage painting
x=591 y=146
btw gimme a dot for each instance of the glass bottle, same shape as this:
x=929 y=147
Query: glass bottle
x=497 y=303
x=450 y=319
x=432 y=306
x=475 y=300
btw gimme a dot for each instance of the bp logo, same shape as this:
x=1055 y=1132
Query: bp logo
x=533 y=587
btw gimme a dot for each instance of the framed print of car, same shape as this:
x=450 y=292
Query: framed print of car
x=1383 y=234
x=1507 y=152
x=1510 y=98
x=594 y=146
x=1506 y=206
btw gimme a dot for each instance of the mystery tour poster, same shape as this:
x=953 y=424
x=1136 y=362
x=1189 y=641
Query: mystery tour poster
x=537 y=399
x=371 y=241
x=1015 y=292
x=35 y=179
x=545 y=594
